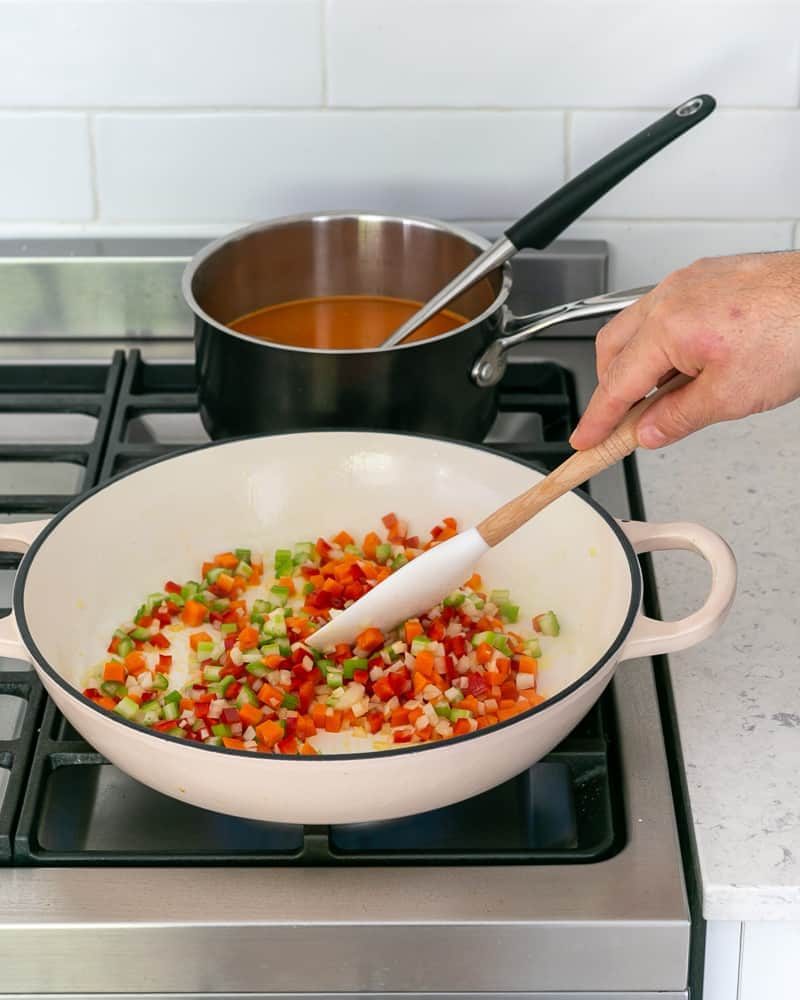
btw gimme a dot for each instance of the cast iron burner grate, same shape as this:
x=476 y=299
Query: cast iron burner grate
x=54 y=421
x=79 y=809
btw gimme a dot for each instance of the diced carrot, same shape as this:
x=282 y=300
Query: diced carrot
x=420 y=682
x=531 y=696
x=342 y=539
x=333 y=586
x=237 y=606
x=135 y=663
x=371 y=543
x=475 y=582
x=333 y=722
x=107 y=703
x=114 y=671
x=248 y=638
x=269 y=733
x=450 y=522
x=225 y=583
x=306 y=726
x=317 y=580
x=494 y=677
x=197 y=638
x=399 y=717
x=509 y=713
x=206 y=568
x=527 y=665
x=462 y=727
x=250 y=715
x=484 y=652
x=232 y=743
x=383 y=572
x=301 y=625
x=470 y=703
x=227 y=560
x=370 y=639
x=389 y=521
x=135 y=696
x=288 y=582
x=187 y=705
x=308 y=751
x=424 y=662
x=413 y=628
x=270 y=696
x=194 y=613
x=414 y=714
x=273 y=661
x=370 y=569
x=318 y=715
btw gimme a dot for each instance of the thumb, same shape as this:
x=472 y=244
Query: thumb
x=674 y=416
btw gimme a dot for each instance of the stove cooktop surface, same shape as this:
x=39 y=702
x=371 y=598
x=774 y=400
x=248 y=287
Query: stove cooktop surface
x=578 y=855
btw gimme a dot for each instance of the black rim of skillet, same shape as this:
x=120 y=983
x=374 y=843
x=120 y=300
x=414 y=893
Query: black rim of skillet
x=73 y=692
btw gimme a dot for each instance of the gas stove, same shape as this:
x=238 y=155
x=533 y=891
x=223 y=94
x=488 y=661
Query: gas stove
x=566 y=882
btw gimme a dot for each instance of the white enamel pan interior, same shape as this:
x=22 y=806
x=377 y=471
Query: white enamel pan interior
x=86 y=570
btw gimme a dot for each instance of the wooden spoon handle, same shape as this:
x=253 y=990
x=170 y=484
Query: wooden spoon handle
x=579 y=467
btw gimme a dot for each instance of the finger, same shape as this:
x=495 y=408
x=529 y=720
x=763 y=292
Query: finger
x=634 y=372
x=677 y=414
x=616 y=334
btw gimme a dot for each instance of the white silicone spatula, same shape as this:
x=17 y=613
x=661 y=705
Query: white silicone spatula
x=425 y=581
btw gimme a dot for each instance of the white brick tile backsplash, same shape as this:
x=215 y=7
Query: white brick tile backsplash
x=196 y=167
x=45 y=169
x=735 y=165
x=160 y=53
x=642 y=253
x=560 y=53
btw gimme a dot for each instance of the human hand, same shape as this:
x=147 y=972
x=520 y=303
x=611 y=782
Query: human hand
x=732 y=323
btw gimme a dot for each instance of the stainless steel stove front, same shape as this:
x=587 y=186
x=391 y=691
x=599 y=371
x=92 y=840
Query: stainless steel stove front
x=615 y=929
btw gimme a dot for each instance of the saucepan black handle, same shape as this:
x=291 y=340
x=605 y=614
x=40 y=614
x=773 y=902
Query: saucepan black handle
x=550 y=218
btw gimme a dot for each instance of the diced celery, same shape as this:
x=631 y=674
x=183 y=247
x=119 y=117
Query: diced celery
x=228 y=628
x=257 y=669
x=171 y=710
x=533 y=648
x=383 y=552
x=120 y=634
x=354 y=550
x=221 y=604
x=140 y=634
x=272 y=649
x=285 y=647
x=399 y=560
x=419 y=643
x=281 y=594
x=214 y=574
x=204 y=650
x=211 y=673
x=284 y=563
x=149 y=713
x=177 y=732
x=308 y=588
x=547 y=624
x=499 y=597
x=225 y=682
x=334 y=678
x=221 y=729
x=352 y=664
x=114 y=689
x=160 y=682
x=125 y=646
x=459 y=713
x=127 y=708
x=173 y=696
x=442 y=709
x=246 y=696
x=326 y=665
x=510 y=612
x=276 y=622
x=455 y=600
x=244 y=569
x=304 y=552
x=290 y=701
x=243 y=555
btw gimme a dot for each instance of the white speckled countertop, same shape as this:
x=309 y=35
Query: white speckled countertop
x=738 y=694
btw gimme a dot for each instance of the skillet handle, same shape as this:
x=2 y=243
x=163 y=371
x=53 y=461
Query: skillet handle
x=649 y=637
x=16 y=538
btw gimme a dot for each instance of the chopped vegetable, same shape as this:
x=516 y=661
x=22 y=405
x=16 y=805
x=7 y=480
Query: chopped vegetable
x=254 y=685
